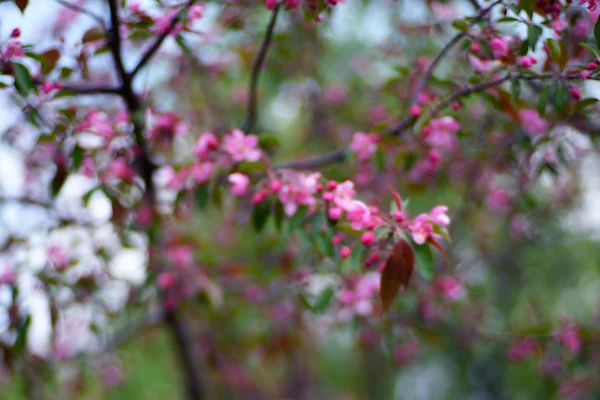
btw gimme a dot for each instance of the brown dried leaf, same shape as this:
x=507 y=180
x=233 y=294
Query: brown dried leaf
x=397 y=272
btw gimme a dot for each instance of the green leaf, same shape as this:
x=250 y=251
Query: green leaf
x=543 y=100
x=202 y=195
x=508 y=19
x=561 y=98
x=261 y=213
x=23 y=81
x=76 y=157
x=528 y=6
x=460 y=24
x=533 y=34
x=356 y=255
x=589 y=48
x=515 y=90
x=216 y=195
x=22 y=334
x=268 y=140
x=323 y=300
x=250 y=166
x=379 y=160
x=424 y=259
x=583 y=103
x=279 y=215
x=554 y=48
x=597 y=33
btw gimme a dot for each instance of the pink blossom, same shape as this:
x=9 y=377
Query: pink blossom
x=180 y=255
x=162 y=23
x=206 y=143
x=438 y=216
x=421 y=229
x=533 y=124
x=450 y=287
x=499 y=200
x=239 y=184
x=361 y=216
x=568 y=335
x=441 y=133
x=165 y=280
x=335 y=213
x=242 y=147
x=201 y=172
x=58 y=257
x=364 y=145
x=558 y=26
x=8 y=275
x=527 y=61
x=591 y=4
x=407 y=351
x=483 y=66
x=175 y=180
x=195 y=12
x=167 y=126
x=522 y=349
x=120 y=169
x=298 y=190
x=500 y=46
x=12 y=50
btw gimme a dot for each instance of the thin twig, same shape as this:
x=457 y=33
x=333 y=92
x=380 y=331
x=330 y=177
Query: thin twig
x=159 y=40
x=89 y=89
x=98 y=18
x=401 y=127
x=255 y=75
x=457 y=38
x=115 y=41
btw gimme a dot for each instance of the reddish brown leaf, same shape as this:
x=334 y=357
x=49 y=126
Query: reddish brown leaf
x=92 y=35
x=397 y=198
x=51 y=56
x=397 y=272
x=22 y=4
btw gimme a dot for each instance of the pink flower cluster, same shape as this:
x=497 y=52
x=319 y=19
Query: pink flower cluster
x=166 y=127
x=422 y=227
x=567 y=334
x=13 y=49
x=358 y=300
x=364 y=145
x=440 y=133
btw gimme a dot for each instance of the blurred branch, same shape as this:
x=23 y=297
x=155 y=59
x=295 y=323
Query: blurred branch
x=159 y=40
x=457 y=38
x=85 y=11
x=256 y=70
x=401 y=127
x=89 y=89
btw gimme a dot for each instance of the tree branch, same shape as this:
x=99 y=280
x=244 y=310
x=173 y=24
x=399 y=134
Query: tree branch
x=257 y=67
x=457 y=38
x=85 y=11
x=114 y=42
x=401 y=127
x=89 y=89
x=159 y=40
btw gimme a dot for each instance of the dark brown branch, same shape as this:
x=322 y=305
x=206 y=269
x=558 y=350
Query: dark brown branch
x=89 y=89
x=457 y=38
x=114 y=42
x=257 y=67
x=316 y=161
x=184 y=345
x=159 y=40
x=85 y=11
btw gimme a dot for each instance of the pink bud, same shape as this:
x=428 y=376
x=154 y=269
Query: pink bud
x=331 y=185
x=16 y=33
x=398 y=216
x=345 y=252
x=592 y=66
x=328 y=196
x=585 y=74
x=367 y=238
x=271 y=4
x=575 y=93
x=165 y=280
x=475 y=47
x=415 y=110
x=275 y=186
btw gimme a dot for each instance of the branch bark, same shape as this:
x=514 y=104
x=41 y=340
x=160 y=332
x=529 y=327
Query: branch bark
x=252 y=111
